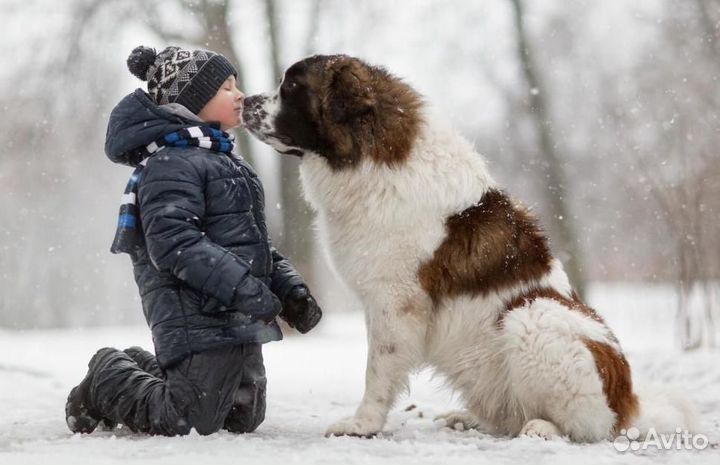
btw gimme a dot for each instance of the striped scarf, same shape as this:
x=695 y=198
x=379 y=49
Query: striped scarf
x=128 y=236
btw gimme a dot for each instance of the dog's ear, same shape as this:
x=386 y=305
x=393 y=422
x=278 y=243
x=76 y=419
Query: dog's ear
x=350 y=93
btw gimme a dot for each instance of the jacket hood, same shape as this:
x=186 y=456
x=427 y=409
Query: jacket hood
x=137 y=121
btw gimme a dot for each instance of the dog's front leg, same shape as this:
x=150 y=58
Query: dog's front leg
x=395 y=347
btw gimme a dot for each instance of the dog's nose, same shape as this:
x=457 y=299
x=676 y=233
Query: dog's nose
x=253 y=100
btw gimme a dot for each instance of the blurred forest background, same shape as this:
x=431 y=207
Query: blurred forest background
x=601 y=116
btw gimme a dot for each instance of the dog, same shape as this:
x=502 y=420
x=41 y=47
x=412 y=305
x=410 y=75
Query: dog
x=452 y=273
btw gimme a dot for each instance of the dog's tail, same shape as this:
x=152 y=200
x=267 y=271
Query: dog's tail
x=664 y=411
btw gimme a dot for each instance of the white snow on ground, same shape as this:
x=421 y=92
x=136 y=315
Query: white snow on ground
x=314 y=380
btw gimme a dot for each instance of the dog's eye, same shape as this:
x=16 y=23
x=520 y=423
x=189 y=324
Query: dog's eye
x=290 y=85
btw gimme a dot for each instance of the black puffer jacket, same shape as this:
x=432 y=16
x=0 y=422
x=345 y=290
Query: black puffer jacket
x=208 y=271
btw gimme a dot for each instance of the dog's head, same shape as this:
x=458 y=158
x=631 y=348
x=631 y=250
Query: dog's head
x=339 y=108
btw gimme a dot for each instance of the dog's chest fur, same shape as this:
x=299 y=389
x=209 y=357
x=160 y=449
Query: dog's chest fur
x=379 y=223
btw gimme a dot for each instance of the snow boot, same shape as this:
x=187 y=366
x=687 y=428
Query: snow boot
x=79 y=414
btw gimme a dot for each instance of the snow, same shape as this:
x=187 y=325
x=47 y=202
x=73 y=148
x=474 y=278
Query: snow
x=314 y=380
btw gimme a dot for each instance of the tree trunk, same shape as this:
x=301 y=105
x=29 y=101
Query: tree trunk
x=557 y=199
x=296 y=239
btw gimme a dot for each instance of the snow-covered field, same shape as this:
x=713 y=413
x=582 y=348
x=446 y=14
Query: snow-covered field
x=315 y=379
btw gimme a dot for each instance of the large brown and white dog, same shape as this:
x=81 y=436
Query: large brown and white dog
x=451 y=272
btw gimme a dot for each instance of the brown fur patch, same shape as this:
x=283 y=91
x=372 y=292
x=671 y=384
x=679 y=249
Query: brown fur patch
x=489 y=246
x=614 y=371
x=572 y=303
x=362 y=111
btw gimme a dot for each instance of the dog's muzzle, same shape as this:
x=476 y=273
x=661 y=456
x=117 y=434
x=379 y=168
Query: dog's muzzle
x=254 y=113
x=258 y=118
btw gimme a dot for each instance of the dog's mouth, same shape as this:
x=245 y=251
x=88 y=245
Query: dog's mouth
x=281 y=144
x=280 y=138
x=293 y=152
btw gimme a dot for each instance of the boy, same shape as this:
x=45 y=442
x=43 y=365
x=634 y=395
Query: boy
x=211 y=283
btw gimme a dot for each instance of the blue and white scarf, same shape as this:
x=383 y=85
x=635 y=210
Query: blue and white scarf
x=129 y=236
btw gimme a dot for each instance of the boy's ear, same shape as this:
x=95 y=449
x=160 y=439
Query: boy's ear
x=350 y=93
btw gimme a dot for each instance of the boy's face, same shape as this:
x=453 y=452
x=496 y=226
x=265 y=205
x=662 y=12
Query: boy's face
x=226 y=106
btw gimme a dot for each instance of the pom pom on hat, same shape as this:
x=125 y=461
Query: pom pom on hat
x=140 y=61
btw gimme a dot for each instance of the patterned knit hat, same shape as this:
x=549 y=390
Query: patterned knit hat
x=188 y=77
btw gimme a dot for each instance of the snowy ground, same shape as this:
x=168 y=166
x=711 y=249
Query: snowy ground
x=314 y=380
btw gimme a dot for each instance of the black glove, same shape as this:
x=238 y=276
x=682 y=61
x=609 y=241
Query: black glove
x=300 y=309
x=268 y=307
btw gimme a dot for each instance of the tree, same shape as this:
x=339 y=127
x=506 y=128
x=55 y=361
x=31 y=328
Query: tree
x=557 y=192
x=296 y=240
x=674 y=141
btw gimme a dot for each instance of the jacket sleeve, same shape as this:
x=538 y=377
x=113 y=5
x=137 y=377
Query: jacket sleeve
x=172 y=207
x=284 y=277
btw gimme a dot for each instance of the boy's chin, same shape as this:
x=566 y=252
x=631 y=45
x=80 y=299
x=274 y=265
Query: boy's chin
x=238 y=124
x=230 y=127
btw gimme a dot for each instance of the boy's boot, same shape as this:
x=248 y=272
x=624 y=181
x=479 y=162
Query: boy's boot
x=80 y=415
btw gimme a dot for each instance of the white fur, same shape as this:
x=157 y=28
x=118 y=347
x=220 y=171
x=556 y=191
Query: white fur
x=664 y=410
x=532 y=375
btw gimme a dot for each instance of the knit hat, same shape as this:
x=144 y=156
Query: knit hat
x=188 y=77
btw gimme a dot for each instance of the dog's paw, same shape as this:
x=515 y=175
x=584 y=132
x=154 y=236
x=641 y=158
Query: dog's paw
x=461 y=420
x=540 y=429
x=354 y=426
